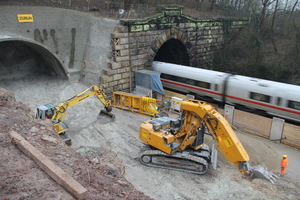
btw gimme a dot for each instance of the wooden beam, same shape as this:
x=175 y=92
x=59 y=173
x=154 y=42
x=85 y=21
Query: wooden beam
x=55 y=172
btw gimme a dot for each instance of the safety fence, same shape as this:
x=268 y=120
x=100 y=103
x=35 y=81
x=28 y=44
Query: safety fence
x=253 y=124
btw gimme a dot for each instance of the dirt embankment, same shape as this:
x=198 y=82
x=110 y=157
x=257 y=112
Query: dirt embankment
x=97 y=169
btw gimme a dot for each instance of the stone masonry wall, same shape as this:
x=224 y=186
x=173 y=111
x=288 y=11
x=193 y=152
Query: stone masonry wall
x=136 y=42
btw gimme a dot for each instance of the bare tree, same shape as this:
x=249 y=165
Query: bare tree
x=265 y=4
x=274 y=15
x=212 y=5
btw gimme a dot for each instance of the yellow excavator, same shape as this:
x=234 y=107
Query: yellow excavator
x=58 y=113
x=179 y=143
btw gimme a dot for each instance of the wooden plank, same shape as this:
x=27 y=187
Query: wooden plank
x=62 y=178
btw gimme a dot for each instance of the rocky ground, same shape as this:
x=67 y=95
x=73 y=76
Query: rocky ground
x=104 y=154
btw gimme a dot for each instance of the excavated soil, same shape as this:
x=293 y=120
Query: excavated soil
x=104 y=154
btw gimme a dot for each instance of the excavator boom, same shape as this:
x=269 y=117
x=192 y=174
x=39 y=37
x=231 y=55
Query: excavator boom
x=58 y=113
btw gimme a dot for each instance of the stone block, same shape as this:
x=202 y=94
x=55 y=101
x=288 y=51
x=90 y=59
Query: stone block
x=121 y=58
x=109 y=72
x=117 y=88
x=106 y=79
x=126 y=75
x=123 y=70
x=125 y=63
x=119 y=35
x=123 y=41
x=121 y=29
x=142 y=56
x=120 y=47
x=136 y=28
x=136 y=62
x=114 y=65
x=112 y=84
x=124 y=52
x=117 y=77
x=122 y=81
x=126 y=85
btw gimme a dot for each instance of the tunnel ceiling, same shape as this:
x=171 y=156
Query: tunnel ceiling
x=173 y=51
x=19 y=59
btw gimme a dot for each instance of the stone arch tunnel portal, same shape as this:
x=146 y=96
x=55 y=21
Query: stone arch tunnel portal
x=173 y=51
x=21 y=58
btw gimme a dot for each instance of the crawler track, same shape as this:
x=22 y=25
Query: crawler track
x=181 y=161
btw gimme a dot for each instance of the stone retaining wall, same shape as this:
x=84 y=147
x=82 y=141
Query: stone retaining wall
x=136 y=42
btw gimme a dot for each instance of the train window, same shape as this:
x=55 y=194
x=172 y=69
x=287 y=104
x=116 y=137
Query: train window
x=216 y=87
x=186 y=80
x=191 y=82
x=165 y=76
x=260 y=97
x=278 y=102
x=203 y=84
x=294 y=104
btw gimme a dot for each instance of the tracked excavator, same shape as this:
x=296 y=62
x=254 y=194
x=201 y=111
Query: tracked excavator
x=58 y=113
x=178 y=144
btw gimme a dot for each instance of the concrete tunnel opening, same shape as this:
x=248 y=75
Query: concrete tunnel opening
x=173 y=51
x=20 y=58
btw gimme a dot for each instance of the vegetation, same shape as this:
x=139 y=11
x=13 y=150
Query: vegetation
x=268 y=48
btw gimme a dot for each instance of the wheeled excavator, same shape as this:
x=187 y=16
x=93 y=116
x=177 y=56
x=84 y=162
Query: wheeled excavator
x=58 y=113
x=179 y=143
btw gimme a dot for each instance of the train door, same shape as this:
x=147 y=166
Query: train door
x=280 y=100
x=217 y=87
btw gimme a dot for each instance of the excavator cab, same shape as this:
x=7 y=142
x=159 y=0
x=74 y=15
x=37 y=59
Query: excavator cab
x=45 y=111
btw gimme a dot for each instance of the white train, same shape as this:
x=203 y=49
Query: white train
x=274 y=98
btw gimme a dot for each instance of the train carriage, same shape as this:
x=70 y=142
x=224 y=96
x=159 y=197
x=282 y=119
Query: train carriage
x=277 y=99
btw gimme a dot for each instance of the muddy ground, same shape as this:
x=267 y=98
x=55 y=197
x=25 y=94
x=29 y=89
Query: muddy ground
x=104 y=154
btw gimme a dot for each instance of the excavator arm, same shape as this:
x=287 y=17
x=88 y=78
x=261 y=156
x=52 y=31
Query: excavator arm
x=61 y=109
x=58 y=113
x=228 y=143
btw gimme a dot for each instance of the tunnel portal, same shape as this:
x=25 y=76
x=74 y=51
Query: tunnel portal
x=21 y=58
x=173 y=51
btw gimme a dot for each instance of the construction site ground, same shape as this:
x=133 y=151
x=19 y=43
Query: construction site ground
x=104 y=155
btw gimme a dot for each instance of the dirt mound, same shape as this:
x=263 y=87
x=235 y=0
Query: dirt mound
x=97 y=169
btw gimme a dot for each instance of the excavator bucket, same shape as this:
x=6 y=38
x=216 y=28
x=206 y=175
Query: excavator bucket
x=262 y=173
x=106 y=113
x=67 y=140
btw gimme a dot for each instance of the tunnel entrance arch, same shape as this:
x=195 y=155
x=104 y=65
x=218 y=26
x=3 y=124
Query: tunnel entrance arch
x=173 y=51
x=171 y=46
x=20 y=58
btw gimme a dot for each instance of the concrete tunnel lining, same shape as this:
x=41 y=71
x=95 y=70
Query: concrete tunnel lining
x=50 y=62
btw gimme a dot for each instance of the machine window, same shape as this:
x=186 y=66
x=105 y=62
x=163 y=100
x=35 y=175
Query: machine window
x=294 y=104
x=260 y=97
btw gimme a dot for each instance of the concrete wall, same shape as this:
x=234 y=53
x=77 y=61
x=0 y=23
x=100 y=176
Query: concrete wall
x=79 y=42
